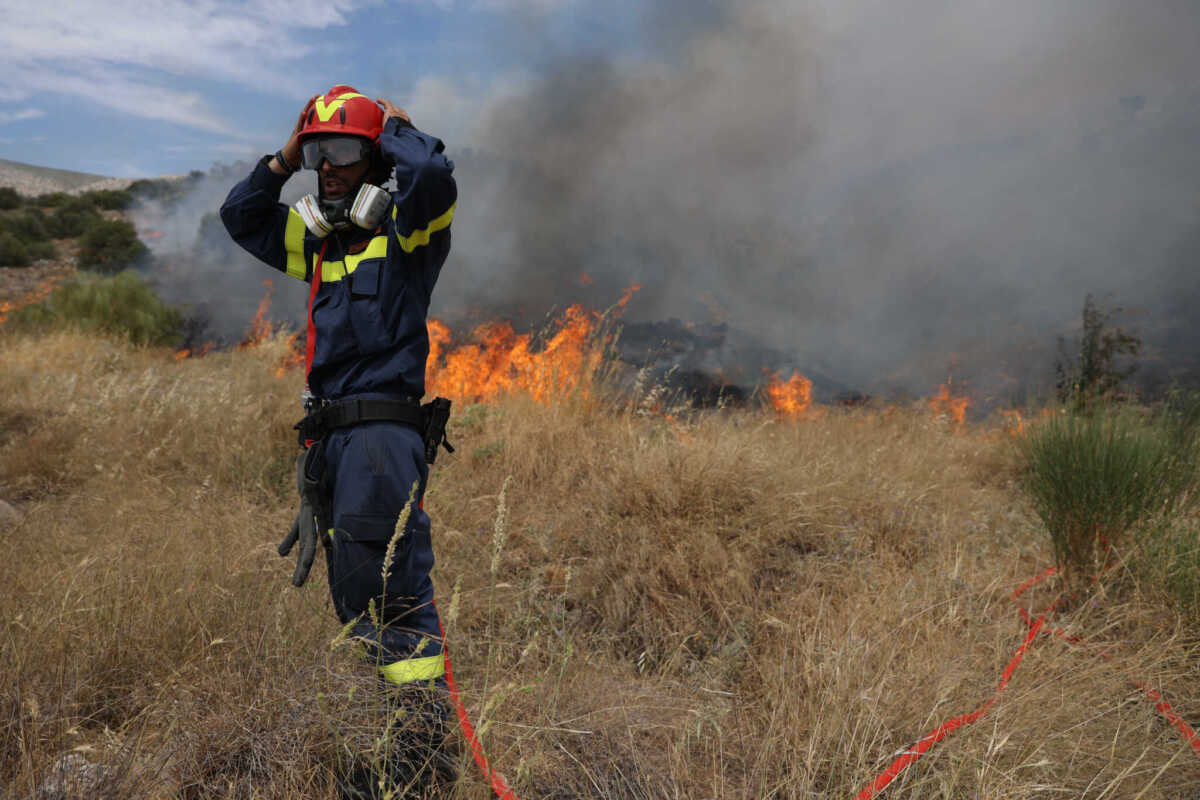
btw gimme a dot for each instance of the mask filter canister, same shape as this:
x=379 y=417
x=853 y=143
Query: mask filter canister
x=369 y=207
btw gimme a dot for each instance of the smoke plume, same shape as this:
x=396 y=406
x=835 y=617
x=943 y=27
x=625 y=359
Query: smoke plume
x=876 y=193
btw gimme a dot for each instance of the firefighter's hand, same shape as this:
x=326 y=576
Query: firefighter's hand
x=392 y=110
x=291 y=150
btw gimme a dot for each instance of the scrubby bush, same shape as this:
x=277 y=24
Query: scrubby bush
x=72 y=218
x=157 y=190
x=109 y=199
x=27 y=225
x=1095 y=477
x=52 y=199
x=122 y=305
x=13 y=252
x=26 y=238
x=9 y=198
x=109 y=246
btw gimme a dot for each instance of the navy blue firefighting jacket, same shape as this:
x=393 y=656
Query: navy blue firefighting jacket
x=370 y=309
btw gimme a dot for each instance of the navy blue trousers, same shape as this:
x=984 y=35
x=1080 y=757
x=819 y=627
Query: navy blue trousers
x=372 y=471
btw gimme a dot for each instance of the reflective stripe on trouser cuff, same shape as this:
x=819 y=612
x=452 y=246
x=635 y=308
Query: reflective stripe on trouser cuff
x=414 y=669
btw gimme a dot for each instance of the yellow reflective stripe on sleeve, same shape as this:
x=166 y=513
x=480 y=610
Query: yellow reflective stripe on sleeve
x=414 y=669
x=418 y=238
x=333 y=271
x=293 y=244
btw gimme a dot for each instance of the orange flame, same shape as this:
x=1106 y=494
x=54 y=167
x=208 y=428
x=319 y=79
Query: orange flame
x=36 y=295
x=499 y=361
x=945 y=403
x=585 y=279
x=626 y=295
x=203 y=350
x=295 y=357
x=260 y=328
x=791 y=399
x=1014 y=423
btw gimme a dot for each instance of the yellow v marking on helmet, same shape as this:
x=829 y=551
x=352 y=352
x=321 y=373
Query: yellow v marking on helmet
x=324 y=112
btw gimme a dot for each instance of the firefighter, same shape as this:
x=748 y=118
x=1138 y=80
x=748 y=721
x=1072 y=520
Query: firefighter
x=372 y=258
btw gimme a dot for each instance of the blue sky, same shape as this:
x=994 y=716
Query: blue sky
x=153 y=87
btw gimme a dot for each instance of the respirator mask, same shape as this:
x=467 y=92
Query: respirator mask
x=365 y=209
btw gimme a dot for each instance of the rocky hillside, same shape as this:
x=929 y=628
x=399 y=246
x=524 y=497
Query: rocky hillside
x=29 y=179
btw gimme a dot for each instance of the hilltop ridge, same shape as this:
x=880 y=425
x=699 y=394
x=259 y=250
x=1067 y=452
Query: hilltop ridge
x=31 y=179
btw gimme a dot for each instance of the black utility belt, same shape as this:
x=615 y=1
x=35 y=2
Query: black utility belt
x=429 y=419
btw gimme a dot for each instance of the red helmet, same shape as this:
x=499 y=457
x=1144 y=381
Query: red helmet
x=343 y=109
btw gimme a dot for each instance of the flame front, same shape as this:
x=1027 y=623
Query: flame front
x=499 y=361
x=791 y=399
x=260 y=328
x=946 y=403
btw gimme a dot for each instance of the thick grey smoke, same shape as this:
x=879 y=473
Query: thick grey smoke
x=879 y=192
x=197 y=266
x=876 y=193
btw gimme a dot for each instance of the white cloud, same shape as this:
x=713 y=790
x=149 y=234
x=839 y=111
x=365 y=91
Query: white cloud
x=22 y=115
x=127 y=55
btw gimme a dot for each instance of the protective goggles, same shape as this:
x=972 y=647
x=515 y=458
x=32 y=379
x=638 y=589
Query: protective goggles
x=340 y=151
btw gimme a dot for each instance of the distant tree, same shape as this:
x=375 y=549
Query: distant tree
x=1098 y=370
x=9 y=198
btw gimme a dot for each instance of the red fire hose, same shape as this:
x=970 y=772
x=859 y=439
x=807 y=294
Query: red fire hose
x=1036 y=627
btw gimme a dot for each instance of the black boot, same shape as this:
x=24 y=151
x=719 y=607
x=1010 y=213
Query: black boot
x=414 y=756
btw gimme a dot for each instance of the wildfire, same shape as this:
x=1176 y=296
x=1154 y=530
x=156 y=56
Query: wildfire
x=499 y=361
x=38 y=293
x=260 y=329
x=1013 y=422
x=791 y=399
x=626 y=295
x=945 y=403
x=295 y=357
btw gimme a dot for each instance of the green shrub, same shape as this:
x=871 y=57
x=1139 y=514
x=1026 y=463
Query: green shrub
x=9 y=198
x=71 y=218
x=13 y=252
x=122 y=305
x=110 y=246
x=1095 y=477
x=28 y=225
x=109 y=199
x=52 y=199
x=155 y=190
x=25 y=238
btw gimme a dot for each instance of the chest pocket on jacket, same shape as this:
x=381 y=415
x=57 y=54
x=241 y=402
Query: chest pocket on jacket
x=331 y=315
x=367 y=297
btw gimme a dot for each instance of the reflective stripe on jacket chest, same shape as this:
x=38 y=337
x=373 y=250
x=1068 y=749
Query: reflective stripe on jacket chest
x=333 y=271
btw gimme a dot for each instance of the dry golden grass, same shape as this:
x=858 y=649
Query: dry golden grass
x=726 y=606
